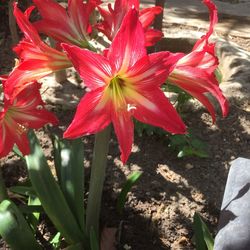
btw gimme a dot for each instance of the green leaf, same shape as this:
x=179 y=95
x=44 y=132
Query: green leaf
x=57 y=156
x=70 y=154
x=218 y=75
x=203 y=238
x=182 y=96
x=77 y=246
x=188 y=145
x=23 y=190
x=49 y=193
x=131 y=180
x=56 y=241
x=34 y=208
x=35 y=202
x=30 y=209
x=14 y=229
x=177 y=141
x=190 y=151
x=141 y=128
x=94 y=244
x=33 y=218
x=17 y=151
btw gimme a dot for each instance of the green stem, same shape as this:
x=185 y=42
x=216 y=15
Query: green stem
x=3 y=190
x=97 y=178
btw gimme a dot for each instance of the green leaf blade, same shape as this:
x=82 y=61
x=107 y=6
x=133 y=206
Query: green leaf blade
x=72 y=177
x=49 y=193
x=14 y=229
x=203 y=238
x=131 y=180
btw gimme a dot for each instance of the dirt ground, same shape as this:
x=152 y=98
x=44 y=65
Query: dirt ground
x=159 y=211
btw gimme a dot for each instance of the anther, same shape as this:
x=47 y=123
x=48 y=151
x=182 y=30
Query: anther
x=21 y=128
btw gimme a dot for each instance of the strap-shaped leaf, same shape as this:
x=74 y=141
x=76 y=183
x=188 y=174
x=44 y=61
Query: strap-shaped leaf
x=49 y=193
x=35 y=203
x=14 y=229
x=203 y=238
x=70 y=154
x=94 y=244
x=23 y=190
x=57 y=145
x=78 y=246
x=131 y=180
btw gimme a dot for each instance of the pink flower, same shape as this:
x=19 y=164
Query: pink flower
x=18 y=115
x=124 y=84
x=71 y=26
x=113 y=19
x=194 y=72
x=37 y=59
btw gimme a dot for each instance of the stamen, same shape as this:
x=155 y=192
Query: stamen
x=116 y=91
x=21 y=128
x=131 y=107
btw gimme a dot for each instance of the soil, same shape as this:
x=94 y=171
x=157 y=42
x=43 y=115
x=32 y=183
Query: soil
x=159 y=210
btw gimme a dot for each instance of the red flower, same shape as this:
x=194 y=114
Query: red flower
x=113 y=19
x=18 y=115
x=71 y=26
x=37 y=59
x=124 y=84
x=194 y=72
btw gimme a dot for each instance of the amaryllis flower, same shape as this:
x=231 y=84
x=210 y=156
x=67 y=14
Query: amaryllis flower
x=20 y=114
x=124 y=84
x=36 y=58
x=71 y=25
x=113 y=19
x=194 y=72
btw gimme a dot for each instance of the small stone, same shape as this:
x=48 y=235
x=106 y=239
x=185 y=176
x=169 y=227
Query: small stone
x=189 y=166
x=232 y=157
x=126 y=247
x=237 y=139
x=135 y=149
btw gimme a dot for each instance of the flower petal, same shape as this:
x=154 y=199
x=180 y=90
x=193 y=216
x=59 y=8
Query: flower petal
x=23 y=143
x=29 y=31
x=213 y=20
x=197 y=81
x=204 y=59
x=51 y=9
x=152 y=70
x=128 y=45
x=147 y=15
x=71 y=25
x=152 y=107
x=28 y=71
x=79 y=13
x=54 y=29
x=94 y=68
x=152 y=36
x=6 y=141
x=124 y=129
x=9 y=136
x=27 y=109
x=37 y=59
x=92 y=115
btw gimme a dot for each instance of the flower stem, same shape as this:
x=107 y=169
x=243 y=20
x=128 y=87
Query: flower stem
x=3 y=190
x=97 y=178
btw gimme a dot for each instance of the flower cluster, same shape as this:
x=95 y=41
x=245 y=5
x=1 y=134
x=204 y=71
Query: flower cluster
x=124 y=81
